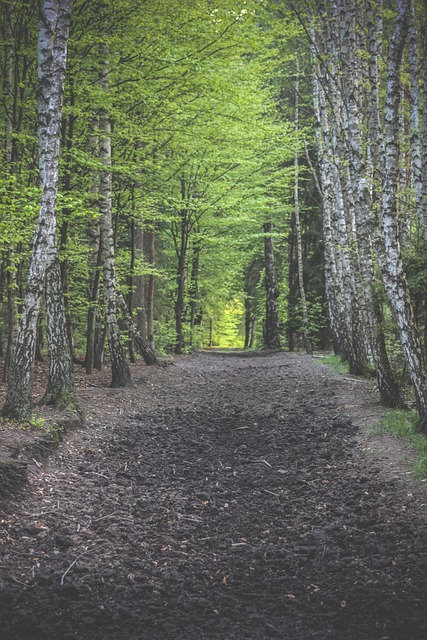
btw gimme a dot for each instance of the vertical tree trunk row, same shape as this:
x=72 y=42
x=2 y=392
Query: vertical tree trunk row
x=393 y=272
x=271 y=329
x=304 y=309
x=119 y=367
x=55 y=20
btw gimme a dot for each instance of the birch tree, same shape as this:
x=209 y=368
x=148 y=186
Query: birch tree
x=393 y=271
x=271 y=329
x=364 y=222
x=304 y=311
x=414 y=115
x=119 y=368
x=60 y=385
x=54 y=27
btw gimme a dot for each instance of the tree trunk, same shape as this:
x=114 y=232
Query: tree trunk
x=141 y=345
x=414 y=114
x=271 y=333
x=304 y=311
x=9 y=100
x=139 y=293
x=292 y=288
x=94 y=256
x=53 y=39
x=251 y=280
x=248 y=320
x=130 y=286
x=333 y=285
x=364 y=222
x=194 y=289
x=424 y=138
x=393 y=271
x=343 y=218
x=60 y=387
x=150 y=237
x=99 y=343
x=68 y=135
x=119 y=367
x=180 y=304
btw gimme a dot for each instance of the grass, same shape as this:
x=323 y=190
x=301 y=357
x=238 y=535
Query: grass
x=335 y=363
x=399 y=423
x=404 y=424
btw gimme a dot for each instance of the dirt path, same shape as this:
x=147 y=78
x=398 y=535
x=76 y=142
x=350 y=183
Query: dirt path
x=224 y=497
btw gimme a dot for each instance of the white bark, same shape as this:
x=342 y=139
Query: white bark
x=414 y=113
x=334 y=293
x=393 y=272
x=304 y=310
x=52 y=54
x=341 y=223
x=363 y=217
x=424 y=138
x=119 y=367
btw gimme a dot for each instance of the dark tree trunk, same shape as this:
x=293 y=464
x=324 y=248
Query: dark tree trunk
x=99 y=343
x=39 y=341
x=93 y=316
x=194 y=289
x=139 y=294
x=300 y=265
x=248 y=321
x=180 y=303
x=141 y=345
x=95 y=255
x=130 y=283
x=271 y=332
x=150 y=238
x=65 y=267
x=120 y=371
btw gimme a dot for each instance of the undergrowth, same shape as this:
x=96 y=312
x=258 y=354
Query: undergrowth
x=404 y=424
x=335 y=363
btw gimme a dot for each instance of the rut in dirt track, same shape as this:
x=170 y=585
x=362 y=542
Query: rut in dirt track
x=230 y=499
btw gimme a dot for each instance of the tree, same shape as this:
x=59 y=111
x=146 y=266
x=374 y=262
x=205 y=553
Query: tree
x=54 y=27
x=271 y=328
x=394 y=275
x=306 y=334
x=119 y=368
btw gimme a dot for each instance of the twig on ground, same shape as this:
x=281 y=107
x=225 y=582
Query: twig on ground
x=21 y=583
x=64 y=575
x=264 y=461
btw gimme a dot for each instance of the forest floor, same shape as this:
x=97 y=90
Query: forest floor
x=228 y=496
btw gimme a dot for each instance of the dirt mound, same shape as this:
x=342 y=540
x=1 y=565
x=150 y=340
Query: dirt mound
x=224 y=497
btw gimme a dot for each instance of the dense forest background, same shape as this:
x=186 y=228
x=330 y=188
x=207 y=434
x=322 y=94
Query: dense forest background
x=177 y=175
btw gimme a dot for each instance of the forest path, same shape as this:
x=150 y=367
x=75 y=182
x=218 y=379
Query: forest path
x=226 y=497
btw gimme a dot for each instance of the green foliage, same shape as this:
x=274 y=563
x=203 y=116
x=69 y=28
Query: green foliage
x=228 y=326
x=203 y=147
x=18 y=211
x=38 y=423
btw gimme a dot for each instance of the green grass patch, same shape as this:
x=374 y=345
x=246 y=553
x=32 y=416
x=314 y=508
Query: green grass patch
x=334 y=362
x=404 y=424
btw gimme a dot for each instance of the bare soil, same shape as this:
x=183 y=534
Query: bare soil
x=225 y=497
